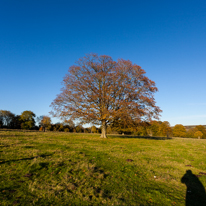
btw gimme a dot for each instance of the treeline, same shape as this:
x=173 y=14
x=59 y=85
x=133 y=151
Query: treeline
x=198 y=131
x=11 y=121
x=158 y=128
x=28 y=120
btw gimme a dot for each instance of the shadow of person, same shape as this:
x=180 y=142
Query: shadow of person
x=195 y=193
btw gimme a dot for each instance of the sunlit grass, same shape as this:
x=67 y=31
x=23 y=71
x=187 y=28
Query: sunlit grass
x=49 y=168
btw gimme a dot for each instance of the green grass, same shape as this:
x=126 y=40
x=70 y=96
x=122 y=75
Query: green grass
x=51 y=168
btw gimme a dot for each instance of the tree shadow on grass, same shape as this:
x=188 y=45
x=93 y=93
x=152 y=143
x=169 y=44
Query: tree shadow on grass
x=9 y=135
x=29 y=158
x=9 y=193
x=139 y=137
x=195 y=192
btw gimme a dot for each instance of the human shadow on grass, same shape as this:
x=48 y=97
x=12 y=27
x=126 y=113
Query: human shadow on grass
x=195 y=192
x=29 y=158
x=140 y=137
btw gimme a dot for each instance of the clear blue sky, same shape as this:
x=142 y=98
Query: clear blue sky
x=41 y=39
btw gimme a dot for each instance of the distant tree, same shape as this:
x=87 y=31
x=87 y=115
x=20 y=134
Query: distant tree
x=45 y=122
x=198 y=134
x=16 y=122
x=159 y=128
x=109 y=130
x=1 y=121
x=49 y=127
x=121 y=126
x=142 y=129
x=66 y=130
x=79 y=128
x=27 y=118
x=69 y=124
x=165 y=129
x=191 y=132
x=87 y=130
x=93 y=129
x=202 y=129
x=58 y=127
x=179 y=131
x=154 y=128
x=6 y=118
x=99 y=90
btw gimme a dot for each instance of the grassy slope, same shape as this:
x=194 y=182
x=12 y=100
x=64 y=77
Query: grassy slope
x=81 y=169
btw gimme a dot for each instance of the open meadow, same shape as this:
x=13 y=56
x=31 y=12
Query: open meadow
x=57 y=168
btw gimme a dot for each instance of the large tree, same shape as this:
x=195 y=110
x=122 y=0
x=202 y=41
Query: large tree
x=99 y=90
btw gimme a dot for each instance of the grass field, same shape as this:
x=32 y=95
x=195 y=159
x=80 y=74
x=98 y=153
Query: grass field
x=38 y=168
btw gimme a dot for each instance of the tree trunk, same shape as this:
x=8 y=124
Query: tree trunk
x=104 y=128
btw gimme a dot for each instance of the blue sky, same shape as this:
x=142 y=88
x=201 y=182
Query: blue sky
x=40 y=40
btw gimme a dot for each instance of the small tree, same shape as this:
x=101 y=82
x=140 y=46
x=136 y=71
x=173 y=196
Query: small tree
x=100 y=91
x=45 y=122
x=198 y=135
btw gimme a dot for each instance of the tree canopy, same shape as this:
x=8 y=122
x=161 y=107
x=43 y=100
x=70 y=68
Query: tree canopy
x=45 y=122
x=202 y=129
x=100 y=91
x=27 y=118
x=6 y=118
x=179 y=131
x=198 y=134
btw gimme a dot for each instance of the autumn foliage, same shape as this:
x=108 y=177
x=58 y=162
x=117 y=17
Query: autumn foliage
x=198 y=131
x=198 y=134
x=179 y=131
x=101 y=91
x=45 y=123
x=27 y=118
